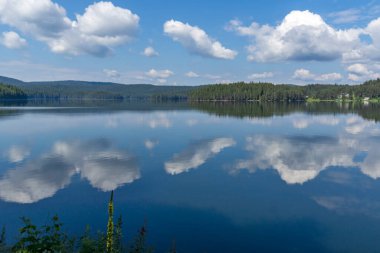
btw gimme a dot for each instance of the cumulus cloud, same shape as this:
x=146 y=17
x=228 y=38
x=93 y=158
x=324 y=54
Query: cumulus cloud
x=153 y=73
x=150 y=52
x=361 y=71
x=196 y=155
x=191 y=74
x=263 y=75
x=105 y=167
x=301 y=36
x=12 y=40
x=40 y=18
x=159 y=76
x=307 y=75
x=102 y=26
x=197 y=41
x=111 y=73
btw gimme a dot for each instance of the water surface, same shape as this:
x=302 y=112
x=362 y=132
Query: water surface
x=212 y=177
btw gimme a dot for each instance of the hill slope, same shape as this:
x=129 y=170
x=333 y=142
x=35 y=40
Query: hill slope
x=82 y=89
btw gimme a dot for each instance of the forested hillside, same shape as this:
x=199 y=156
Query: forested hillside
x=241 y=91
x=269 y=92
x=11 y=92
x=96 y=90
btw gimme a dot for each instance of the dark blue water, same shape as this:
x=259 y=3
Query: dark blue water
x=295 y=182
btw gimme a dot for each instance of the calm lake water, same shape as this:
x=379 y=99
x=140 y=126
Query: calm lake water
x=212 y=177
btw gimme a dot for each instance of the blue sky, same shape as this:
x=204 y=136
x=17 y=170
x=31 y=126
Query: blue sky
x=191 y=42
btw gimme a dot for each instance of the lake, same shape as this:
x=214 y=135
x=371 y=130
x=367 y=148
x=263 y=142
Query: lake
x=214 y=177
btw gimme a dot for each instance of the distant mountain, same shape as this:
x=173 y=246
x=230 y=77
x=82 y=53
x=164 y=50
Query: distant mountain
x=10 y=81
x=106 y=90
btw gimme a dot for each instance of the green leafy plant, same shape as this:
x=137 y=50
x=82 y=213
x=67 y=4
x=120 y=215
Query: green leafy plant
x=51 y=239
x=48 y=238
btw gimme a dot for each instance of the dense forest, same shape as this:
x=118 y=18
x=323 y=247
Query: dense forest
x=11 y=92
x=241 y=91
x=269 y=92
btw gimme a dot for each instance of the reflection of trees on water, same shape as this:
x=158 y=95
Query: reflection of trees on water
x=248 y=109
x=256 y=109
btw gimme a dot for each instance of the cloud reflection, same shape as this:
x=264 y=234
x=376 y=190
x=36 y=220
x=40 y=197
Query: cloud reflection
x=105 y=167
x=39 y=179
x=299 y=159
x=17 y=154
x=196 y=155
x=302 y=122
x=150 y=144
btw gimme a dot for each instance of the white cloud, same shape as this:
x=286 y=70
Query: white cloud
x=307 y=75
x=191 y=74
x=369 y=51
x=197 y=41
x=40 y=18
x=301 y=36
x=103 y=19
x=102 y=27
x=97 y=31
x=196 y=155
x=150 y=52
x=264 y=75
x=111 y=73
x=358 y=69
x=330 y=77
x=303 y=74
x=361 y=71
x=162 y=74
x=13 y=40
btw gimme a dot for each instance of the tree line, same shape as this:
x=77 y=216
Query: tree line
x=11 y=92
x=239 y=91
x=242 y=91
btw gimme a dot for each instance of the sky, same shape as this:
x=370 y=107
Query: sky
x=191 y=42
